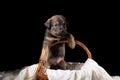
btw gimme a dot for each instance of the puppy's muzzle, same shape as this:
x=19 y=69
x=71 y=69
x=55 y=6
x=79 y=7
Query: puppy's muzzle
x=58 y=31
x=62 y=33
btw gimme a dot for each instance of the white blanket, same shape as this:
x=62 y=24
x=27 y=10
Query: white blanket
x=89 y=71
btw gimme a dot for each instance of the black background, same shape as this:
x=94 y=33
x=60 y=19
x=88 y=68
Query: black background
x=22 y=32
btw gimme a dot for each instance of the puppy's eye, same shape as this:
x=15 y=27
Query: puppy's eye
x=55 y=25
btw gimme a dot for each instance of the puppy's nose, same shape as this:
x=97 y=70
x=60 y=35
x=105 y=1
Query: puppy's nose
x=61 y=28
x=64 y=32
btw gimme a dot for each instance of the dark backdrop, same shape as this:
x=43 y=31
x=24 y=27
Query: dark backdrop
x=22 y=33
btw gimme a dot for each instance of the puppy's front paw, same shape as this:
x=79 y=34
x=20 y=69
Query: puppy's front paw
x=72 y=45
x=71 y=42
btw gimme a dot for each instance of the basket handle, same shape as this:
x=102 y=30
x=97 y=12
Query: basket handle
x=78 y=43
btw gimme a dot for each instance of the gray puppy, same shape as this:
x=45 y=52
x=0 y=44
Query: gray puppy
x=55 y=32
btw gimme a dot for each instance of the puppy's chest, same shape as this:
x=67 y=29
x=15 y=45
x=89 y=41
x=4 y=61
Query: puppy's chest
x=57 y=50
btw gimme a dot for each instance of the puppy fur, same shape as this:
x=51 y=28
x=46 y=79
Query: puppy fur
x=56 y=30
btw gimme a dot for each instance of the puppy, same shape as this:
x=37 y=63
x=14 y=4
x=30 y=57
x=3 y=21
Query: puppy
x=56 y=31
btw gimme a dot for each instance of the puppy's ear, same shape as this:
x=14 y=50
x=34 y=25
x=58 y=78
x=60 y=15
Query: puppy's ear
x=48 y=23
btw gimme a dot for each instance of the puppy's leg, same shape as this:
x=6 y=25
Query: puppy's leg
x=62 y=65
x=44 y=56
x=71 y=41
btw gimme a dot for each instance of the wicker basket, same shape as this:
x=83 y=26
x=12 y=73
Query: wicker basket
x=41 y=73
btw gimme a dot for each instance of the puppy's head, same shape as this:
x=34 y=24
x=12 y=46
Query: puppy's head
x=57 y=25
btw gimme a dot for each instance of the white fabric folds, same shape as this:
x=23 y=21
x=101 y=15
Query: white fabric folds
x=90 y=70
